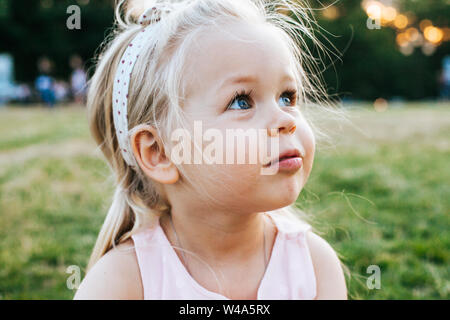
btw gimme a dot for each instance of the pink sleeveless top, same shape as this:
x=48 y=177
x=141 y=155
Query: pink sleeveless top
x=289 y=274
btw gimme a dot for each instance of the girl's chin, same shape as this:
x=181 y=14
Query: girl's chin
x=289 y=192
x=282 y=198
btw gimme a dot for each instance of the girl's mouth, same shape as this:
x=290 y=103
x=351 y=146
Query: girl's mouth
x=290 y=163
x=289 y=160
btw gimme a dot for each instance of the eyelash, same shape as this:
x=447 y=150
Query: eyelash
x=290 y=93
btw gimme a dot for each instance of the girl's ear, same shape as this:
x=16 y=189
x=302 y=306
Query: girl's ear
x=150 y=155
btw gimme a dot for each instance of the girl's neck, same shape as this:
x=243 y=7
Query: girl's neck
x=221 y=237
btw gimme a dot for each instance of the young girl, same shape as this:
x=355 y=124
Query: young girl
x=207 y=230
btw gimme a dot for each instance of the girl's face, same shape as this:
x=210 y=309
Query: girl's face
x=253 y=63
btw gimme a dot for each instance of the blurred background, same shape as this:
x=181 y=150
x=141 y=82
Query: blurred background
x=379 y=193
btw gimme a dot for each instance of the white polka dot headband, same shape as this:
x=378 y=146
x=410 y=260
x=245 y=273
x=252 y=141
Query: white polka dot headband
x=123 y=76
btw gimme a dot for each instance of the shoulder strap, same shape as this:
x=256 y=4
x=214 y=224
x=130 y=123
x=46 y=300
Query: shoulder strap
x=146 y=252
x=289 y=226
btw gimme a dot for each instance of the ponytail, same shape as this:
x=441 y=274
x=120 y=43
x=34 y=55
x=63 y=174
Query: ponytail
x=116 y=228
x=128 y=213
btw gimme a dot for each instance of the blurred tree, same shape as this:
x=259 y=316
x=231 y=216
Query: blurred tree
x=34 y=28
x=371 y=65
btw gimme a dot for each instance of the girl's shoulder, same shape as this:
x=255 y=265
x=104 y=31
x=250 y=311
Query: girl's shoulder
x=115 y=276
x=330 y=280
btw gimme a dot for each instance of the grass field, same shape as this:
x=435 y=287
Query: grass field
x=380 y=195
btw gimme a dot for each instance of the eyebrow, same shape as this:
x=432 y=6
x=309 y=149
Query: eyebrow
x=249 y=79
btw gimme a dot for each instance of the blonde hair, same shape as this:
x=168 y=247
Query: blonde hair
x=157 y=89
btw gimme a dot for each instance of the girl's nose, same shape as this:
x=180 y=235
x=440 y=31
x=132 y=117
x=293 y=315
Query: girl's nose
x=283 y=123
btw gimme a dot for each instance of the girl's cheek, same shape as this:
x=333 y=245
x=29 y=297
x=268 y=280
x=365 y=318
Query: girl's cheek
x=310 y=141
x=307 y=139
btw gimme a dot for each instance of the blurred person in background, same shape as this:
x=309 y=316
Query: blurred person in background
x=78 y=79
x=24 y=93
x=44 y=82
x=61 y=89
x=445 y=78
x=7 y=86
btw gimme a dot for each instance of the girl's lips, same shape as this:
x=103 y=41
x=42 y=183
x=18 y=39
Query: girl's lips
x=289 y=164
x=286 y=155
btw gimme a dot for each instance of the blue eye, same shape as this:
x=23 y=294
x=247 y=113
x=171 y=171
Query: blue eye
x=289 y=98
x=239 y=104
x=286 y=100
x=240 y=101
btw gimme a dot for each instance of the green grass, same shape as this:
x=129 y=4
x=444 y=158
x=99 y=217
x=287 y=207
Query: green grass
x=379 y=194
